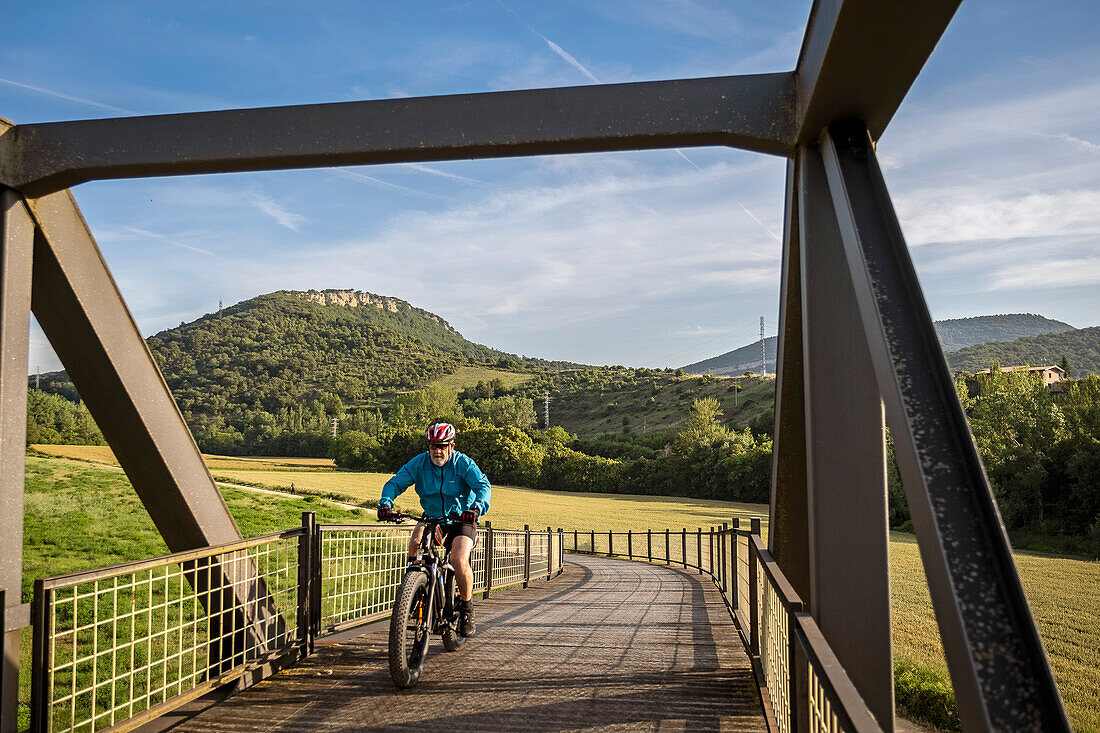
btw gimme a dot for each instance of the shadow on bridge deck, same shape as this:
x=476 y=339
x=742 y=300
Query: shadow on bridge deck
x=609 y=643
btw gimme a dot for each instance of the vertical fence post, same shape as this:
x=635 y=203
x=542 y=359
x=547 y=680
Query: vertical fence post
x=668 y=555
x=526 y=555
x=305 y=578
x=489 y=542
x=315 y=584
x=736 y=567
x=699 y=550
x=684 y=547
x=549 y=553
x=630 y=544
x=576 y=545
x=649 y=545
x=722 y=579
x=592 y=538
x=561 y=550
x=710 y=546
x=754 y=601
x=610 y=544
x=41 y=613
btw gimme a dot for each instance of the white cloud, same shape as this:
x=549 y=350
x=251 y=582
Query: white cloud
x=1038 y=273
x=953 y=215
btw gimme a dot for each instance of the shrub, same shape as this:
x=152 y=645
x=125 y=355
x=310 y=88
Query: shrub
x=925 y=694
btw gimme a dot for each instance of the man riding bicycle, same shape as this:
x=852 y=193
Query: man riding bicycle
x=448 y=483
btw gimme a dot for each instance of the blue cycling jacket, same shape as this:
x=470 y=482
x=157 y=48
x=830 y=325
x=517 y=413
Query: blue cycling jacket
x=452 y=488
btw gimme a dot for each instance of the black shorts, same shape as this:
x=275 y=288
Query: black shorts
x=454 y=529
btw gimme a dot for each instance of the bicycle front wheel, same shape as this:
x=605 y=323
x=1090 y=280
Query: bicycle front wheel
x=409 y=625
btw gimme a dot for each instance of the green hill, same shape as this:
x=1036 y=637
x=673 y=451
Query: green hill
x=286 y=363
x=954 y=333
x=1081 y=347
x=959 y=333
x=738 y=361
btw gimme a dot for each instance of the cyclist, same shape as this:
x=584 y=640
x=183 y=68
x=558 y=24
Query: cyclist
x=448 y=483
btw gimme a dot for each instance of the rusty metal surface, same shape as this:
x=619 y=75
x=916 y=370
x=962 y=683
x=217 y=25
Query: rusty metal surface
x=610 y=644
x=999 y=670
x=751 y=112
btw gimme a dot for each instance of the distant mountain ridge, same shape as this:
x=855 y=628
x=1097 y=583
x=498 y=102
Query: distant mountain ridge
x=959 y=333
x=954 y=333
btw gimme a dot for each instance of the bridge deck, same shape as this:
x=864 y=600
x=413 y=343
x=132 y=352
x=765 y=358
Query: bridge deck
x=609 y=644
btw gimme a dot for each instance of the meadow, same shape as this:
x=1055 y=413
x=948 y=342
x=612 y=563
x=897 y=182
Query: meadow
x=1059 y=589
x=469 y=376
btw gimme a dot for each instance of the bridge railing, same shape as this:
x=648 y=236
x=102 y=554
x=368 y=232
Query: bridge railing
x=803 y=686
x=117 y=647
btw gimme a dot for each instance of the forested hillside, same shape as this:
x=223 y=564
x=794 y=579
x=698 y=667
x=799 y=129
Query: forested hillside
x=1080 y=347
x=269 y=374
x=959 y=333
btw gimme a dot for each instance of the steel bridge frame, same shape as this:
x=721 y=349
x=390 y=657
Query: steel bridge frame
x=857 y=348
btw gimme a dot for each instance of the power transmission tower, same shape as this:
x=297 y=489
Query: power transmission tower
x=546 y=408
x=37 y=376
x=335 y=422
x=219 y=306
x=763 y=364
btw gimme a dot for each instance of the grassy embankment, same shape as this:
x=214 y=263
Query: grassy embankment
x=1059 y=589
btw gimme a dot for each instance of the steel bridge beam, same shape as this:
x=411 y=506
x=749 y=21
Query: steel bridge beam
x=999 y=670
x=751 y=112
x=16 y=241
x=860 y=57
x=788 y=520
x=845 y=456
x=83 y=314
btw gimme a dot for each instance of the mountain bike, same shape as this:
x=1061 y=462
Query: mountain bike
x=426 y=604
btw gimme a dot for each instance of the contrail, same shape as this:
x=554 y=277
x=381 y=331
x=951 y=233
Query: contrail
x=561 y=52
x=437 y=172
x=766 y=228
x=68 y=97
x=363 y=178
x=166 y=240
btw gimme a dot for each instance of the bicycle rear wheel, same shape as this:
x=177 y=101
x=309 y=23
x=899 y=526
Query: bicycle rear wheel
x=409 y=626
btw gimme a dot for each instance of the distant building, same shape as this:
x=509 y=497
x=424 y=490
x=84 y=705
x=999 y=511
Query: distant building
x=1051 y=375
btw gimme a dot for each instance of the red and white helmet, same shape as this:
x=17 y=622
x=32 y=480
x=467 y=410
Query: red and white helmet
x=441 y=432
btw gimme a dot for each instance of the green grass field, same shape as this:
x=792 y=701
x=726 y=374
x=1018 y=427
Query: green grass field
x=469 y=376
x=70 y=527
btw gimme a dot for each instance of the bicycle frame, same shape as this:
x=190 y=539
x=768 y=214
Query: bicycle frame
x=433 y=559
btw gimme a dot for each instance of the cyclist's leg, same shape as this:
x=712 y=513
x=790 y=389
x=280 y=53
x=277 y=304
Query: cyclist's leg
x=460 y=560
x=414 y=540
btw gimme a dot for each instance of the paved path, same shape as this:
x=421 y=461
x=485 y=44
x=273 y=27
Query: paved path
x=610 y=644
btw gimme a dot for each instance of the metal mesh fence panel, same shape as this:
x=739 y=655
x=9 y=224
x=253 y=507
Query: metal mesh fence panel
x=361 y=570
x=775 y=642
x=119 y=641
x=540 y=553
x=507 y=558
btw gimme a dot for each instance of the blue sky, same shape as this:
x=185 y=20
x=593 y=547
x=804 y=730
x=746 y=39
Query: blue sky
x=654 y=258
